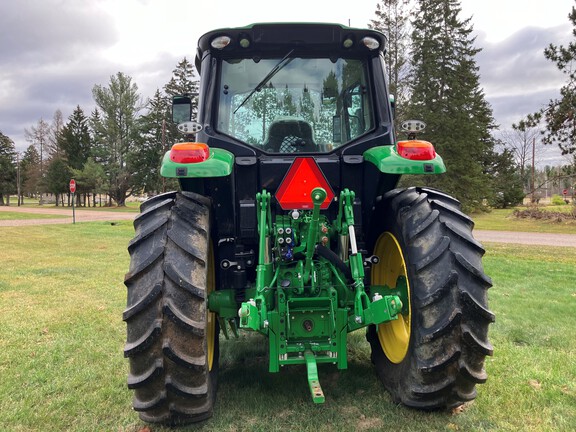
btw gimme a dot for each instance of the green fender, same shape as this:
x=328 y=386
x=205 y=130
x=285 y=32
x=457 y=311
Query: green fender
x=219 y=164
x=388 y=161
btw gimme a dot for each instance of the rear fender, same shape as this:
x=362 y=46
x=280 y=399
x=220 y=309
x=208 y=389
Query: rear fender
x=219 y=164
x=388 y=161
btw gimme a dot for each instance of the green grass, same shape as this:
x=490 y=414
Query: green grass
x=502 y=220
x=7 y=215
x=61 y=341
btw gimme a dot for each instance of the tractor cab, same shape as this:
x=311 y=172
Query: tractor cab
x=289 y=89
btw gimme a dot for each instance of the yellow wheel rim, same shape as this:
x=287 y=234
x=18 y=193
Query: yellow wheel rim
x=394 y=336
x=211 y=316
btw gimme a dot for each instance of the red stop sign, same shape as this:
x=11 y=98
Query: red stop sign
x=565 y=191
x=72 y=185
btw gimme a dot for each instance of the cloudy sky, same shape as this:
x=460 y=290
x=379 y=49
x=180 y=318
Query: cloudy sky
x=52 y=52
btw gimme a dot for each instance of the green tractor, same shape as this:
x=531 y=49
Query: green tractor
x=289 y=223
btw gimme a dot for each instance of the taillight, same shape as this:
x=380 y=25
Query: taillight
x=416 y=150
x=189 y=152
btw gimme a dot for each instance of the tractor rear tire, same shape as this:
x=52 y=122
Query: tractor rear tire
x=172 y=337
x=433 y=355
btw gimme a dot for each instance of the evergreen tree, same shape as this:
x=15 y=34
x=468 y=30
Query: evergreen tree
x=91 y=179
x=74 y=140
x=559 y=115
x=116 y=129
x=507 y=188
x=146 y=162
x=30 y=171
x=393 y=19
x=58 y=175
x=183 y=82
x=7 y=169
x=446 y=94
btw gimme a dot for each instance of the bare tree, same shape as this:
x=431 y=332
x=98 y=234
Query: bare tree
x=39 y=136
x=56 y=127
x=524 y=141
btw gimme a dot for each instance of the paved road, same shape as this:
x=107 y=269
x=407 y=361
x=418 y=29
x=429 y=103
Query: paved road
x=568 y=240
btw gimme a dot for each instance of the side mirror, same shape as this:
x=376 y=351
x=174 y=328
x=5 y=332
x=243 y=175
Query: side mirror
x=181 y=109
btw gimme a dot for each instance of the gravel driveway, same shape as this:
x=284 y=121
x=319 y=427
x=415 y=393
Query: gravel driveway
x=83 y=215
x=63 y=216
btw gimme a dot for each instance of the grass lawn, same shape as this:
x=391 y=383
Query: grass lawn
x=503 y=220
x=62 y=369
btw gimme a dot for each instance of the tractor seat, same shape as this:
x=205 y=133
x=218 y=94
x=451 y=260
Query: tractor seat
x=290 y=136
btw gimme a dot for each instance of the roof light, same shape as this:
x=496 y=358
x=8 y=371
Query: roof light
x=371 y=43
x=244 y=42
x=416 y=150
x=348 y=42
x=220 y=42
x=189 y=152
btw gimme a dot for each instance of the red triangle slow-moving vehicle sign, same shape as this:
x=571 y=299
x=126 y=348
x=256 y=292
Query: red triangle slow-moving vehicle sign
x=296 y=189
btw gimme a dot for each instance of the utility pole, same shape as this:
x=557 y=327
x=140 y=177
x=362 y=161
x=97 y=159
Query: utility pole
x=18 y=178
x=533 y=169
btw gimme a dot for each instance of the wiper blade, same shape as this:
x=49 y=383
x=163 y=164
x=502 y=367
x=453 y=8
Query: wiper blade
x=285 y=60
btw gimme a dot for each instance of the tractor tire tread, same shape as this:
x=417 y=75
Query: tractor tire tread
x=449 y=332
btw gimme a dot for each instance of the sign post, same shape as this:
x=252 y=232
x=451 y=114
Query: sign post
x=73 y=191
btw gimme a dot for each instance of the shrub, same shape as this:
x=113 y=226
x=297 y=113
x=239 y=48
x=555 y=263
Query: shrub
x=557 y=200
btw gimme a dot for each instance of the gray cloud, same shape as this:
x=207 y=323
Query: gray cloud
x=52 y=54
x=516 y=76
x=36 y=32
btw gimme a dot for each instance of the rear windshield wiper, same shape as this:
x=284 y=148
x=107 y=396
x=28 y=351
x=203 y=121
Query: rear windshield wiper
x=285 y=60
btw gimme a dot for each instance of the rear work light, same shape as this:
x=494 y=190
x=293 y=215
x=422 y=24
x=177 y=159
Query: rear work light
x=189 y=152
x=416 y=150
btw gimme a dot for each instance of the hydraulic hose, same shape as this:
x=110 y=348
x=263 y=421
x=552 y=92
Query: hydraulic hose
x=331 y=256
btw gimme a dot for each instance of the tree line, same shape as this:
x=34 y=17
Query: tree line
x=115 y=151
x=433 y=74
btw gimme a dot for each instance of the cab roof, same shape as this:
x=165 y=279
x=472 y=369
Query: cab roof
x=271 y=39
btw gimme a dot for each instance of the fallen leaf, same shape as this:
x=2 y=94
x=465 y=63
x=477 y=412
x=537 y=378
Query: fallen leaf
x=460 y=408
x=535 y=384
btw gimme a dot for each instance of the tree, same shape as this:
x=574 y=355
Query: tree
x=117 y=131
x=39 y=136
x=30 y=171
x=524 y=143
x=74 y=140
x=54 y=132
x=183 y=82
x=560 y=114
x=146 y=162
x=58 y=175
x=91 y=179
x=393 y=19
x=446 y=94
x=7 y=168
x=507 y=187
